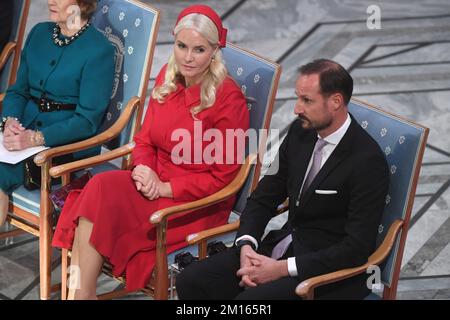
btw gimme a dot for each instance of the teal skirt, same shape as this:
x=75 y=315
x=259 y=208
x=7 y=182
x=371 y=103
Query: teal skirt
x=11 y=176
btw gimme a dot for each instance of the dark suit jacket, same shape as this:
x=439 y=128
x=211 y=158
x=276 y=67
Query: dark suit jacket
x=329 y=231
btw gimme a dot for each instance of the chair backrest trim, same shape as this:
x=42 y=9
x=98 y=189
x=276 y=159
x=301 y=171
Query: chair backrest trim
x=270 y=103
x=136 y=121
x=392 y=290
x=19 y=42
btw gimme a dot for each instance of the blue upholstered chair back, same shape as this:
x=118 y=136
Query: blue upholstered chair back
x=403 y=143
x=258 y=79
x=131 y=26
x=18 y=18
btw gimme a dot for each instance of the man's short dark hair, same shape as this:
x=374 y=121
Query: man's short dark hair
x=333 y=78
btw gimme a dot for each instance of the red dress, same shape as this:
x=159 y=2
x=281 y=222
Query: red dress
x=122 y=233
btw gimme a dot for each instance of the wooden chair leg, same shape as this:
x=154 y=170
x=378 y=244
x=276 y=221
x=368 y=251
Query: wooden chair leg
x=45 y=234
x=45 y=266
x=202 y=249
x=45 y=247
x=161 y=268
x=65 y=261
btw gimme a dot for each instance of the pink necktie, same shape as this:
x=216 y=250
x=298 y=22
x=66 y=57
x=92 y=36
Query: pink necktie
x=280 y=249
x=317 y=162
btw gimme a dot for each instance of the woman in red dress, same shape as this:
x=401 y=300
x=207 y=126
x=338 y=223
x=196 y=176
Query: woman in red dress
x=109 y=218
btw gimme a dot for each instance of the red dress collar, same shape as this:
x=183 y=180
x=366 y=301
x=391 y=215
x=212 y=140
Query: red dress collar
x=191 y=94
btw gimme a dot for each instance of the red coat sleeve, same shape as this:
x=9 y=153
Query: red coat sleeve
x=231 y=113
x=145 y=152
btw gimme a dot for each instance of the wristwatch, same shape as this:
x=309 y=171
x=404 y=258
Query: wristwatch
x=243 y=242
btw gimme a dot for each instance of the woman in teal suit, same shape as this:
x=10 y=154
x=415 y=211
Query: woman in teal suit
x=63 y=87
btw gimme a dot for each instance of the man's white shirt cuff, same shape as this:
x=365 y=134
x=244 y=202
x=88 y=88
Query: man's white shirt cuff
x=250 y=238
x=292 y=267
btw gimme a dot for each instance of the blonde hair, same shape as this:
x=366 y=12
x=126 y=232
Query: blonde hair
x=214 y=74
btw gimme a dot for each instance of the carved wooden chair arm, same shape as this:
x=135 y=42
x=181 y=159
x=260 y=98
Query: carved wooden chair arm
x=8 y=50
x=195 y=238
x=203 y=236
x=306 y=288
x=217 y=197
x=67 y=168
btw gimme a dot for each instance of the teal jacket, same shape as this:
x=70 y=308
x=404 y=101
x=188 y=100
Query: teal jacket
x=80 y=73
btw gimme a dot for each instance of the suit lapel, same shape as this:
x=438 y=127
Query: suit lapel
x=302 y=157
x=342 y=151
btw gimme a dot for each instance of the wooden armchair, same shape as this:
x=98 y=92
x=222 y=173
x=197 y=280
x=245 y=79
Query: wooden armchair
x=10 y=56
x=258 y=78
x=403 y=143
x=33 y=212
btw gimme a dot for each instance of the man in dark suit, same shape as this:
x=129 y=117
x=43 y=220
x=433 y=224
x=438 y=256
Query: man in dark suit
x=336 y=178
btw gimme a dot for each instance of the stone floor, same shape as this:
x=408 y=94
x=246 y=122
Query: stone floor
x=402 y=67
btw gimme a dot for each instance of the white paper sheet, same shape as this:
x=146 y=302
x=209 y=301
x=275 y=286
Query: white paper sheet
x=13 y=157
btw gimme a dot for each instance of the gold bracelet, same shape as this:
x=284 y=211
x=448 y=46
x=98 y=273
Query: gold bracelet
x=31 y=139
x=37 y=139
